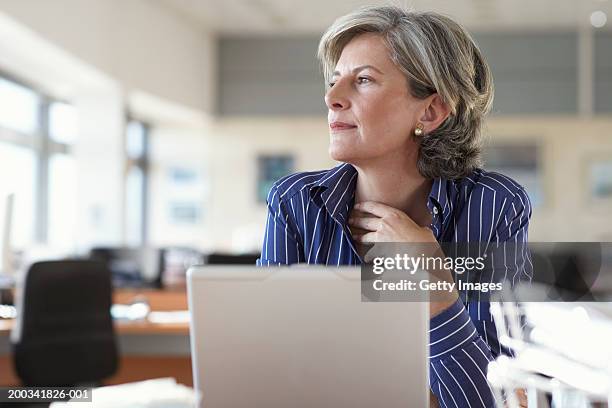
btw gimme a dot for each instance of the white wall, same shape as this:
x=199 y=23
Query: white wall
x=225 y=152
x=137 y=42
x=235 y=221
x=568 y=145
x=185 y=148
x=100 y=158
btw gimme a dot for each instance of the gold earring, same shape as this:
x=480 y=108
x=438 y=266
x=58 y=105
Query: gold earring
x=418 y=131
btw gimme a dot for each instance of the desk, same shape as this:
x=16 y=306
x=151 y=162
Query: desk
x=136 y=328
x=147 y=350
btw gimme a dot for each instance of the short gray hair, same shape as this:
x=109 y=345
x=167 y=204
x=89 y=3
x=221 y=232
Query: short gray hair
x=437 y=55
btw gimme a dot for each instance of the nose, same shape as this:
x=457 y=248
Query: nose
x=335 y=97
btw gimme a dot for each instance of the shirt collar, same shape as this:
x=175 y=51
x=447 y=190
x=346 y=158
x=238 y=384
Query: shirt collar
x=338 y=185
x=338 y=192
x=439 y=198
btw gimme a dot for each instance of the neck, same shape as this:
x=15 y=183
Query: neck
x=395 y=182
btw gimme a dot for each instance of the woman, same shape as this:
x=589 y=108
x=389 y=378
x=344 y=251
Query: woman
x=407 y=95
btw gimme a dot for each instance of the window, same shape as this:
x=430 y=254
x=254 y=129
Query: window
x=62 y=123
x=36 y=134
x=62 y=176
x=18 y=175
x=19 y=108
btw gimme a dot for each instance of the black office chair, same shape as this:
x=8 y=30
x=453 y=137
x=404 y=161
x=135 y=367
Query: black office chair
x=66 y=329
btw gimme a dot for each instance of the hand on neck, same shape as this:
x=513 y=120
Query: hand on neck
x=396 y=183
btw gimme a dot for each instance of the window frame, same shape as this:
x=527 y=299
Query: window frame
x=44 y=147
x=143 y=163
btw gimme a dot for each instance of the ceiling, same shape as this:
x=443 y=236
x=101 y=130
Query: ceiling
x=239 y=17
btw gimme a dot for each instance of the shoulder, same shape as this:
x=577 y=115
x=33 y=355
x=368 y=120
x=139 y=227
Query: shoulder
x=483 y=182
x=286 y=187
x=481 y=179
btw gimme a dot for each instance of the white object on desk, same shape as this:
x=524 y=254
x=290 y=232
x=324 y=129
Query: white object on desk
x=169 y=317
x=142 y=311
x=160 y=392
x=134 y=311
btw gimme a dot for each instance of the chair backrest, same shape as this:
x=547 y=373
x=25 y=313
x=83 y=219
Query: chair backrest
x=66 y=329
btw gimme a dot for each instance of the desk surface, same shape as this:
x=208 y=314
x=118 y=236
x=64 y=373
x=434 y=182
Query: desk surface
x=159 y=300
x=134 y=328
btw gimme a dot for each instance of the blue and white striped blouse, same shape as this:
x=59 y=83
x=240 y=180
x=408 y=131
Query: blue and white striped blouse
x=307 y=223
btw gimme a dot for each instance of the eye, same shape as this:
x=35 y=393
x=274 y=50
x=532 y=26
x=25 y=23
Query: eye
x=330 y=84
x=363 y=80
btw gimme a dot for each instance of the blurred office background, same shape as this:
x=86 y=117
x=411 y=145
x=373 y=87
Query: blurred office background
x=162 y=123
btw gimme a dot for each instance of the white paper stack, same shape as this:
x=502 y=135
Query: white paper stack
x=157 y=393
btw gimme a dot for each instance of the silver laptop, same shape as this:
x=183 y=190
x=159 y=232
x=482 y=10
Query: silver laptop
x=301 y=337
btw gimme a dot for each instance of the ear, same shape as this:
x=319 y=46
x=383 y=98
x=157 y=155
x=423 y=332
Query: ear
x=436 y=112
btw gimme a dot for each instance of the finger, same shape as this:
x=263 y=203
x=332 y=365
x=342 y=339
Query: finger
x=357 y=231
x=378 y=209
x=366 y=223
x=369 y=237
x=356 y=213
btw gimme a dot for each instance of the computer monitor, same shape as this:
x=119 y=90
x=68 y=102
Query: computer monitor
x=131 y=267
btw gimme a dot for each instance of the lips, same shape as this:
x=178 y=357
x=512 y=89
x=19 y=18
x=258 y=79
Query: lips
x=341 y=126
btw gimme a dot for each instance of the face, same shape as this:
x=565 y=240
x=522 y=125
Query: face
x=371 y=112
